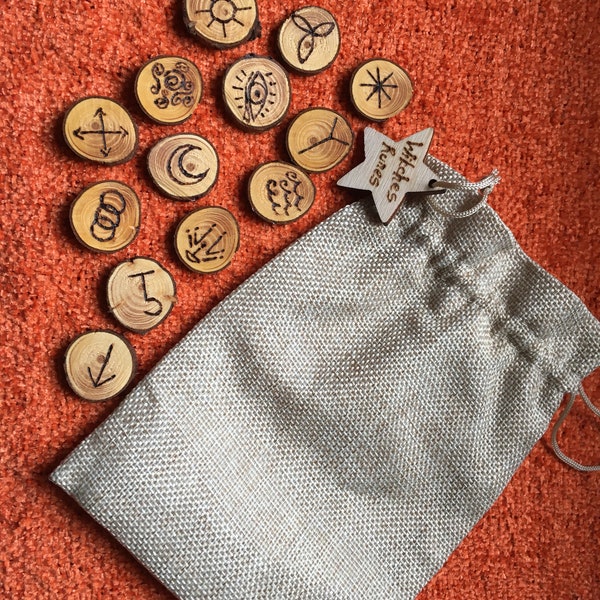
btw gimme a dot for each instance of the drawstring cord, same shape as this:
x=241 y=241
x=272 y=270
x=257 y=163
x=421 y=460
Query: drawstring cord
x=569 y=461
x=483 y=187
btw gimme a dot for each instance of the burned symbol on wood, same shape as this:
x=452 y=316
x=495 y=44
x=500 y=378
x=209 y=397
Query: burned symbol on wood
x=256 y=93
x=379 y=86
x=149 y=299
x=98 y=128
x=223 y=12
x=182 y=167
x=288 y=188
x=306 y=44
x=330 y=138
x=107 y=216
x=96 y=381
x=173 y=85
x=200 y=244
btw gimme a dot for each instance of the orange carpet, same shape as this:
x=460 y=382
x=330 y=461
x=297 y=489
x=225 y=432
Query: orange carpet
x=506 y=84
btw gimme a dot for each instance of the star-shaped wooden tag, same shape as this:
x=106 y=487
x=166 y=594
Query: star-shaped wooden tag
x=392 y=169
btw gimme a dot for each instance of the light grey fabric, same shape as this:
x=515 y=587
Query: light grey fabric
x=335 y=427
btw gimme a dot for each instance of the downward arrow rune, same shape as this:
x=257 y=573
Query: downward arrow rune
x=96 y=381
x=105 y=150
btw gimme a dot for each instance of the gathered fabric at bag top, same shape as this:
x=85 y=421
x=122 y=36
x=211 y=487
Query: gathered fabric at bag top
x=337 y=425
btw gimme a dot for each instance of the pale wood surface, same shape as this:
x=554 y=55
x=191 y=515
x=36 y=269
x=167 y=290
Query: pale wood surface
x=309 y=40
x=101 y=130
x=391 y=170
x=168 y=89
x=206 y=239
x=105 y=217
x=99 y=365
x=318 y=139
x=380 y=89
x=257 y=92
x=222 y=23
x=280 y=192
x=183 y=166
x=141 y=293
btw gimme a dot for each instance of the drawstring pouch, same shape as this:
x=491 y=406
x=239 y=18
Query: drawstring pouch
x=336 y=426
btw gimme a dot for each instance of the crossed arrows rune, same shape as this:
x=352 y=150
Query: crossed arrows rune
x=105 y=150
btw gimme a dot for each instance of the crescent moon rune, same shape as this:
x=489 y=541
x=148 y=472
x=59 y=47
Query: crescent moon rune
x=181 y=173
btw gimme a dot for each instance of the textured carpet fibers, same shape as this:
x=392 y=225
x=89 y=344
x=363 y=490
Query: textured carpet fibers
x=506 y=84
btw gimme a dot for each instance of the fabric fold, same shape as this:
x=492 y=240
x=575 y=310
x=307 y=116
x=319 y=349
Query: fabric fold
x=337 y=425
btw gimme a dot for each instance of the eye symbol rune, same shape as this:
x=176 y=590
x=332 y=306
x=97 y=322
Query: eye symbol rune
x=330 y=138
x=224 y=12
x=306 y=44
x=256 y=94
x=379 y=86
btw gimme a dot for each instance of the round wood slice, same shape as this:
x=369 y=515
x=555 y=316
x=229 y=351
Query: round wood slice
x=100 y=130
x=168 y=89
x=105 y=217
x=309 y=39
x=380 y=89
x=318 y=139
x=280 y=192
x=141 y=293
x=206 y=239
x=184 y=166
x=99 y=365
x=257 y=92
x=222 y=23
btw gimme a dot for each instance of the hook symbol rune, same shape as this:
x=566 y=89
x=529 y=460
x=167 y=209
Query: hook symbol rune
x=96 y=380
x=101 y=130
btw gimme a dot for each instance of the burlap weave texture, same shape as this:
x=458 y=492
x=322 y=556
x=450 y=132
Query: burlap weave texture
x=335 y=427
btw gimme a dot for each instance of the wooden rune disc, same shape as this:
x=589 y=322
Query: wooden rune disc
x=257 y=92
x=318 y=139
x=280 y=192
x=380 y=89
x=141 y=293
x=105 y=217
x=309 y=39
x=99 y=365
x=222 y=23
x=101 y=130
x=206 y=239
x=168 y=89
x=183 y=166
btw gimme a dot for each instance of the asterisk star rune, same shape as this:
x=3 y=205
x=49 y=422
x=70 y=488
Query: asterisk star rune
x=379 y=86
x=392 y=169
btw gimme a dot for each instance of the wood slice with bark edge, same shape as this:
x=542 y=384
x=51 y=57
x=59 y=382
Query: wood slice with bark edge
x=380 y=89
x=280 y=192
x=184 y=166
x=141 y=293
x=257 y=92
x=168 y=89
x=222 y=24
x=206 y=239
x=99 y=365
x=309 y=40
x=100 y=130
x=105 y=216
x=318 y=139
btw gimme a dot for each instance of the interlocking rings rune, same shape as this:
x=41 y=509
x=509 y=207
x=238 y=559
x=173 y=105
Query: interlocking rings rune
x=107 y=217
